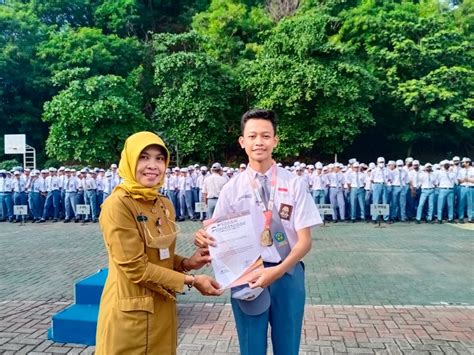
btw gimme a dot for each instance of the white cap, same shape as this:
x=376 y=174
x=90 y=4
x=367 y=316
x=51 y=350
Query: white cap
x=355 y=164
x=242 y=165
x=331 y=166
x=203 y=168
x=216 y=166
x=391 y=162
x=428 y=165
x=183 y=170
x=16 y=172
x=52 y=169
x=371 y=165
x=399 y=162
x=380 y=160
x=319 y=165
x=176 y=168
x=456 y=158
x=416 y=162
x=310 y=166
x=409 y=160
x=466 y=160
x=113 y=166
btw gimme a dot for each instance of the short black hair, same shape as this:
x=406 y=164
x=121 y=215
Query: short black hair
x=260 y=114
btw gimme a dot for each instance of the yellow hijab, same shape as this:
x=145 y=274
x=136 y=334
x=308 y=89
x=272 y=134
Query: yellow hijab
x=134 y=145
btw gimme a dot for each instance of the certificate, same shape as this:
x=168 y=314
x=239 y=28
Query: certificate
x=237 y=253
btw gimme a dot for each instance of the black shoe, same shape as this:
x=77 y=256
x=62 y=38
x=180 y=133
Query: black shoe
x=55 y=220
x=86 y=221
x=461 y=221
x=450 y=220
x=94 y=221
x=15 y=221
x=42 y=220
x=353 y=221
x=440 y=221
x=374 y=222
x=417 y=221
x=67 y=220
x=76 y=221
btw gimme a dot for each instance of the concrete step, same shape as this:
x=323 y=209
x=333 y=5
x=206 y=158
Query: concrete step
x=75 y=324
x=89 y=290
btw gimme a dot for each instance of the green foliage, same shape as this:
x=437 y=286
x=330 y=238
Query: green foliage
x=9 y=164
x=321 y=92
x=91 y=119
x=21 y=98
x=232 y=29
x=418 y=52
x=195 y=101
x=75 y=54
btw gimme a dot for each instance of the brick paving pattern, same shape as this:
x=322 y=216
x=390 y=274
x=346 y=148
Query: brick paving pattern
x=361 y=284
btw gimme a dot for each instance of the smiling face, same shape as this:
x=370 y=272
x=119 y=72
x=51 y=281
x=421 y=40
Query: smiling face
x=151 y=166
x=258 y=140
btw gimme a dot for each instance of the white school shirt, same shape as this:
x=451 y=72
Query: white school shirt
x=35 y=185
x=356 y=179
x=381 y=175
x=72 y=184
x=336 y=179
x=88 y=183
x=19 y=185
x=368 y=182
x=213 y=185
x=200 y=181
x=414 y=177
x=100 y=183
x=400 y=177
x=466 y=173
x=427 y=180
x=318 y=182
x=445 y=178
x=238 y=196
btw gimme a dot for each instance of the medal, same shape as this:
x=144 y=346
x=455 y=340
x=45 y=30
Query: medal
x=266 y=239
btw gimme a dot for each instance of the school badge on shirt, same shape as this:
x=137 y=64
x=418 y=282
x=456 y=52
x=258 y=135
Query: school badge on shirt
x=285 y=211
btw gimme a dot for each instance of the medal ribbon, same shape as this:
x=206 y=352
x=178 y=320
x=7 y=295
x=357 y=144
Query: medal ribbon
x=267 y=210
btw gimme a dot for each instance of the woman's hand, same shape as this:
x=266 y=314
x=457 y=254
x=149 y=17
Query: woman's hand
x=200 y=258
x=203 y=240
x=207 y=286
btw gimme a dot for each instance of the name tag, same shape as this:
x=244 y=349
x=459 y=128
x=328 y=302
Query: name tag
x=164 y=254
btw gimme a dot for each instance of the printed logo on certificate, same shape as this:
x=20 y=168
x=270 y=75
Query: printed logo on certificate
x=237 y=253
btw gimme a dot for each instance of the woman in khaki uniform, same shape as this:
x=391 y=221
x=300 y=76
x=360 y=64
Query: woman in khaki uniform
x=138 y=305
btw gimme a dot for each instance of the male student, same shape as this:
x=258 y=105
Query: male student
x=283 y=213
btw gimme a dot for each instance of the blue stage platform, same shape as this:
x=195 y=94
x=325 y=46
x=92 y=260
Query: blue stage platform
x=78 y=322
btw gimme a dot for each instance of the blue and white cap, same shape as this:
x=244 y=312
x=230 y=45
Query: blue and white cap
x=252 y=301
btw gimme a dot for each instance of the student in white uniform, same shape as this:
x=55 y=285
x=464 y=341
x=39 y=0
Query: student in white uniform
x=284 y=232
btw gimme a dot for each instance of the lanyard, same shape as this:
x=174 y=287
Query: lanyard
x=267 y=210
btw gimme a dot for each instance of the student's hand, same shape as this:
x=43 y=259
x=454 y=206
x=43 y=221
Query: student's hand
x=200 y=258
x=266 y=276
x=207 y=286
x=203 y=240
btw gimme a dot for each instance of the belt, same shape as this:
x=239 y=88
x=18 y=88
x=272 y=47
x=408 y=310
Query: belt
x=445 y=188
x=427 y=188
x=212 y=198
x=378 y=183
x=91 y=189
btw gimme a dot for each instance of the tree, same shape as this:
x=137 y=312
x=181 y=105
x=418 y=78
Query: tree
x=417 y=52
x=75 y=54
x=232 y=29
x=91 y=118
x=196 y=97
x=21 y=92
x=319 y=89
